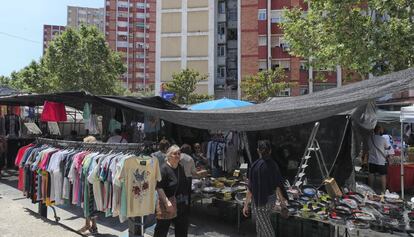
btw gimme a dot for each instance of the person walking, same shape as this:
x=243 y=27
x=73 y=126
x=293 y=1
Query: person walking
x=265 y=188
x=173 y=193
x=377 y=158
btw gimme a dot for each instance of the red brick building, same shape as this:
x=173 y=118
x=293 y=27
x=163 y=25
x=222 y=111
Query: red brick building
x=49 y=33
x=263 y=46
x=130 y=30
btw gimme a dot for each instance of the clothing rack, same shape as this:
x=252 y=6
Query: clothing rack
x=115 y=146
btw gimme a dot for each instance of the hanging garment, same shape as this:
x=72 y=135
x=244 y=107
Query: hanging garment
x=12 y=125
x=140 y=175
x=53 y=112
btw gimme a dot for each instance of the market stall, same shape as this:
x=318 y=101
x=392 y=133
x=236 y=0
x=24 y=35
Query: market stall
x=360 y=208
x=57 y=115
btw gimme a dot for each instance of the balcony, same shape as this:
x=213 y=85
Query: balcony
x=220 y=81
x=221 y=17
x=232 y=44
x=221 y=60
x=232 y=24
x=221 y=38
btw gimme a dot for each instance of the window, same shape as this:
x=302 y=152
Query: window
x=232 y=14
x=281 y=63
x=232 y=34
x=222 y=28
x=262 y=15
x=108 y=3
x=285 y=92
x=277 y=16
x=140 y=45
x=121 y=44
x=123 y=14
x=221 y=51
x=141 y=5
x=262 y=65
x=122 y=24
x=221 y=72
x=262 y=40
x=140 y=24
x=284 y=44
x=141 y=15
x=275 y=41
x=303 y=66
x=140 y=55
x=222 y=8
x=122 y=4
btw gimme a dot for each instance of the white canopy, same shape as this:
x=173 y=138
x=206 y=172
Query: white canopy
x=407 y=114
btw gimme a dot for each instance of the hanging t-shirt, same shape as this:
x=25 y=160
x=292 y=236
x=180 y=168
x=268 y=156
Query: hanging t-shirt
x=140 y=175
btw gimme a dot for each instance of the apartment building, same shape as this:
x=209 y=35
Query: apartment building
x=263 y=47
x=186 y=38
x=86 y=16
x=130 y=30
x=49 y=33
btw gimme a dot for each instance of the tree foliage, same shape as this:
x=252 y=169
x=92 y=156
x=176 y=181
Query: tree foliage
x=81 y=60
x=184 y=84
x=365 y=36
x=265 y=84
x=74 y=61
x=32 y=78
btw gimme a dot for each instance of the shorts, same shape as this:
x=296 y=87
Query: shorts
x=378 y=169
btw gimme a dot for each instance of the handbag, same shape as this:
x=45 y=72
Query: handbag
x=162 y=211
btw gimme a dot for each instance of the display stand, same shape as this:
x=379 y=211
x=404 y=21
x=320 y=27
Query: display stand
x=136 y=225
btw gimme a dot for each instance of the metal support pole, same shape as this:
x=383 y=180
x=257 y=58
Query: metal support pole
x=42 y=210
x=402 y=160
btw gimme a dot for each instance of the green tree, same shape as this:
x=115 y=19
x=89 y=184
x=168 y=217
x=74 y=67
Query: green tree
x=184 y=84
x=365 y=36
x=31 y=78
x=265 y=84
x=4 y=81
x=81 y=60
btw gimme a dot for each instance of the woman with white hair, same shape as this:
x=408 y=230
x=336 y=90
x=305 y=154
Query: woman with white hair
x=173 y=196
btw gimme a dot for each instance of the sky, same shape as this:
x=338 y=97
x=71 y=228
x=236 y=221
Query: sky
x=21 y=28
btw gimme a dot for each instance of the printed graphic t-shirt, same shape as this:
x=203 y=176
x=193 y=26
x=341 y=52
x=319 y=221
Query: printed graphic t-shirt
x=140 y=175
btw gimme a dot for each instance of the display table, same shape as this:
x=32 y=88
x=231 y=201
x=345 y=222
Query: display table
x=394 y=177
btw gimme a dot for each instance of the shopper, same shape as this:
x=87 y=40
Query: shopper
x=173 y=186
x=187 y=162
x=199 y=158
x=161 y=154
x=264 y=189
x=117 y=138
x=377 y=158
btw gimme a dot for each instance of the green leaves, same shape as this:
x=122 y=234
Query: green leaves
x=76 y=60
x=184 y=84
x=374 y=36
x=81 y=60
x=264 y=84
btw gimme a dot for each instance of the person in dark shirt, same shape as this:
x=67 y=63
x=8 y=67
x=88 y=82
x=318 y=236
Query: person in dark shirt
x=264 y=188
x=173 y=184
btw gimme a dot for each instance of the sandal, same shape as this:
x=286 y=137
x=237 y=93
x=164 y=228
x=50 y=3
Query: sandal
x=93 y=230
x=84 y=229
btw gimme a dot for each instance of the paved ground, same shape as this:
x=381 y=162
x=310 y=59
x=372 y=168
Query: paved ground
x=19 y=218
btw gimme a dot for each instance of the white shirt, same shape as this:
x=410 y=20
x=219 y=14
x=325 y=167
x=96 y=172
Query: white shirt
x=377 y=145
x=117 y=139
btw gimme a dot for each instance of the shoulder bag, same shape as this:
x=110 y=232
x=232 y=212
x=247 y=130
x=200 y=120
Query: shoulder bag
x=162 y=212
